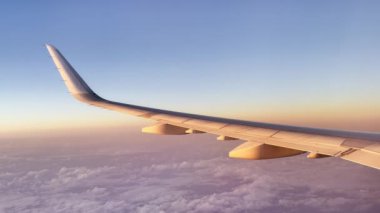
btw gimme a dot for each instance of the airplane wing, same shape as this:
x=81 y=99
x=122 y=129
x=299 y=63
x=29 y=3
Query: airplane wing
x=262 y=140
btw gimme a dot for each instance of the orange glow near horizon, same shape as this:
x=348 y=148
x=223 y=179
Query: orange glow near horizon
x=349 y=116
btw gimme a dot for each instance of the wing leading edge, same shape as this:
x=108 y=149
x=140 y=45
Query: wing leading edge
x=263 y=140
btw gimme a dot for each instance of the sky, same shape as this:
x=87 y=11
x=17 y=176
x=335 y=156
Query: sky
x=297 y=62
x=312 y=63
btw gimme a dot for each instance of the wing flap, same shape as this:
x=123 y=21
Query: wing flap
x=211 y=125
x=169 y=118
x=364 y=157
x=326 y=150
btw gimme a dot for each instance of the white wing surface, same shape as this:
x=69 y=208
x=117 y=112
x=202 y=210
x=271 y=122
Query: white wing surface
x=262 y=140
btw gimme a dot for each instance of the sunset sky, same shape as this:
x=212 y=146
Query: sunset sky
x=312 y=63
x=303 y=62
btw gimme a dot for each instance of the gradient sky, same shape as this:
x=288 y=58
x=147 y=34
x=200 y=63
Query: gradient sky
x=300 y=62
x=313 y=63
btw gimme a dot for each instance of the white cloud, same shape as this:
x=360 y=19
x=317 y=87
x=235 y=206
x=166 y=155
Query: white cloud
x=157 y=182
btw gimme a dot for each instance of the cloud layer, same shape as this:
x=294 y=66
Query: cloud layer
x=176 y=176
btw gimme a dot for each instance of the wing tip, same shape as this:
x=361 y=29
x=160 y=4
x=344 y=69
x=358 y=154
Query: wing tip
x=50 y=46
x=74 y=82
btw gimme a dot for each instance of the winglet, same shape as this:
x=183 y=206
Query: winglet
x=74 y=83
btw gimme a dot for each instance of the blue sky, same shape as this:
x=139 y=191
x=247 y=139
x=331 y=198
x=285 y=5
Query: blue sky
x=264 y=60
